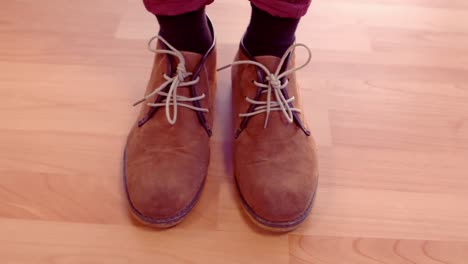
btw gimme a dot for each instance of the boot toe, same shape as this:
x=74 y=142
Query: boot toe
x=163 y=198
x=278 y=203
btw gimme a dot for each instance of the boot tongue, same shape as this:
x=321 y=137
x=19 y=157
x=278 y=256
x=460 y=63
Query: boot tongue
x=276 y=117
x=270 y=62
x=192 y=61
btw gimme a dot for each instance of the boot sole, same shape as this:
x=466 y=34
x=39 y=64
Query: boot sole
x=160 y=222
x=275 y=226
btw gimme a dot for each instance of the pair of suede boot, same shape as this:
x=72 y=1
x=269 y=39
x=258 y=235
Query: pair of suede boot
x=168 y=149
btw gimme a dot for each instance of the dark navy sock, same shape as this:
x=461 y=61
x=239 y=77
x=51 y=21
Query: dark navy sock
x=269 y=35
x=187 y=32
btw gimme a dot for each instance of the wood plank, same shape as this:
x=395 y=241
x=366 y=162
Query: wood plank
x=49 y=242
x=362 y=250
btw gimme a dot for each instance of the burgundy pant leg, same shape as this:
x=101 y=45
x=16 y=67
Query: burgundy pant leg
x=174 y=7
x=283 y=8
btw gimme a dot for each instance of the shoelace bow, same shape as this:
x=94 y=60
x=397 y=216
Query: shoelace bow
x=275 y=86
x=175 y=82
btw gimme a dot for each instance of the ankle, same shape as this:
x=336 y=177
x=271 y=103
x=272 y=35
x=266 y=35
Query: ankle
x=269 y=35
x=187 y=32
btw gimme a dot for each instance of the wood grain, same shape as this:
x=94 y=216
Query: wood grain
x=386 y=94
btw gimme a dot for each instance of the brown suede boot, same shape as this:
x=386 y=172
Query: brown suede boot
x=167 y=153
x=275 y=163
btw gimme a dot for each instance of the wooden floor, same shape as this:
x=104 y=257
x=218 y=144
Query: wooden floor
x=386 y=94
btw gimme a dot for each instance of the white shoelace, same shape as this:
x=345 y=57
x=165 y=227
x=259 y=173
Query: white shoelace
x=275 y=86
x=175 y=82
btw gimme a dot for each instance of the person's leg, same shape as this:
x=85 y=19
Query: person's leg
x=273 y=26
x=168 y=148
x=275 y=163
x=183 y=23
x=284 y=8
